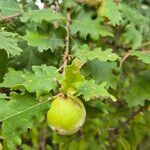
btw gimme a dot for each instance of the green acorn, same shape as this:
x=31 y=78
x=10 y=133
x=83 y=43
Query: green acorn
x=66 y=115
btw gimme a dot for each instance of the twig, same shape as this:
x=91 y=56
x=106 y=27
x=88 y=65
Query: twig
x=8 y=18
x=124 y=58
x=117 y=1
x=145 y=44
x=126 y=55
x=42 y=139
x=67 y=43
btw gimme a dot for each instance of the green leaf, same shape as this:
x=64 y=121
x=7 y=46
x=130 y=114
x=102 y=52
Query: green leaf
x=8 y=42
x=2 y=96
x=139 y=90
x=9 y=7
x=18 y=115
x=91 y=90
x=98 y=106
x=133 y=16
x=69 y=4
x=41 y=80
x=84 y=54
x=73 y=146
x=59 y=139
x=72 y=78
x=145 y=57
x=132 y=37
x=30 y=57
x=3 y=58
x=102 y=72
x=110 y=10
x=17 y=78
x=125 y=144
x=82 y=144
x=85 y=25
x=43 y=41
x=94 y=145
x=39 y=15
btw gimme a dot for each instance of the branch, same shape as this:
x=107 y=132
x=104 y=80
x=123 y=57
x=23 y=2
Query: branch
x=117 y=1
x=145 y=44
x=124 y=58
x=8 y=18
x=126 y=55
x=42 y=139
x=67 y=42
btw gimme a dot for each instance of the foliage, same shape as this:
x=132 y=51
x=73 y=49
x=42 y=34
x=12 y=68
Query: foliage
x=8 y=41
x=99 y=54
x=20 y=118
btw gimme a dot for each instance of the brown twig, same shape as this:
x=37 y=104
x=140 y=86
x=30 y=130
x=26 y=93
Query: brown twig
x=67 y=42
x=42 y=139
x=145 y=44
x=126 y=55
x=8 y=18
x=117 y=1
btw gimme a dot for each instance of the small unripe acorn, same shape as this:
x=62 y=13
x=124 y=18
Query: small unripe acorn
x=66 y=115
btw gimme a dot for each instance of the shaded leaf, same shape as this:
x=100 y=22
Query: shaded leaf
x=139 y=90
x=133 y=16
x=3 y=63
x=102 y=72
x=73 y=146
x=125 y=144
x=98 y=106
x=30 y=57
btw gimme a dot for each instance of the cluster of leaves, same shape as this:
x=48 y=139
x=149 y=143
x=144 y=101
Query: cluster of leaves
x=108 y=68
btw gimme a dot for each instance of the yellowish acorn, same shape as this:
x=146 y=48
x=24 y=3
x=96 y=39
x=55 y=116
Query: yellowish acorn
x=93 y=3
x=66 y=115
x=1 y=147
